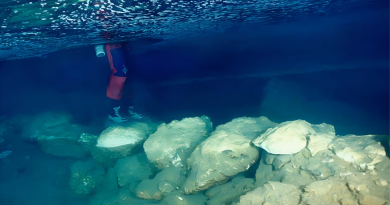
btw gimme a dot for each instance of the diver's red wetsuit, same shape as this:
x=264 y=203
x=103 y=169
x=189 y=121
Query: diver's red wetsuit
x=116 y=54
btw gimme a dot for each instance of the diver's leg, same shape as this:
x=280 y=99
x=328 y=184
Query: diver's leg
x=114 y=93
x=118 y=77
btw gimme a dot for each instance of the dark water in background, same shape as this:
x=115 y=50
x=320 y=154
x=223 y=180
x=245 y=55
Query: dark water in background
x=302 y=70
x=226 y=76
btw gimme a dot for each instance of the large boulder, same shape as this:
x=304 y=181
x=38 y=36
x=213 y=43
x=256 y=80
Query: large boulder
x=121 y=141
x=173 y=143
x=62 y=141
x=132 y=169
x=55 y=134
x=227 y=152
x=165 y=182
x=273 y=193
x=319 y=141
x=300 y=170
x=128 y=135
x=282 y=168
x=85 y=176
x=88 y=142
x=231 y=191
x=362 y=152
x=33 y=125
x=369 y=189
x=328 y=192
x=313 y=162
x=286 y=138
x=110 y=194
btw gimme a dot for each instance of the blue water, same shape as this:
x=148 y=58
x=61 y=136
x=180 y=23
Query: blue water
x=332 y=69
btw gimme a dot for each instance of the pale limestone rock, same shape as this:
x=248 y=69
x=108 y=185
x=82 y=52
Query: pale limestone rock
x=55 y=134
x=121 y=141
x=320 y=140
x=328 y=192
x=269 y=158
x=364 y=186
x=381 y=182
x=110 y=194
x=301 y=171
x=372 y=200
x=231 y=191
x=227 y=152
x=289 y=173
x=281 y=160
x=173 y=143
x=62 y=141
x=306 y=153
x=133 y=168
x=286 y=138
x=117 y=136
x=265 y=171
x=162 y=184
x=273 y=193
x=360 y=151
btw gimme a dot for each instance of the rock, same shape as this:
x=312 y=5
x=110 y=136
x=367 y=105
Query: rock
x=131 y=169
x=227 y=152
x=264 y=172
x=290 y=173
x=85 y=176
x=110 y=183
x=129 y=135
x=382 y=169
x=290 y=137
x=148 y=189
x=62 y=141
x=110 y=194
x=286 y=138
x=88 y=141
x=322 y=165
x=372 y=200
x=360 y=151
x=306 y=153
x=104 y=156
x=177 y=198
x=301 y=171
x=162 y=184
x=281 y=160
x=364 y=186
x=273 y=193
x=229 y=192
x=121 y=141
x=34 y=125
x=328 y=192
x=320 y=140
x=381 y=182
x=269 y=158
x=54 y=132
x=173 y=143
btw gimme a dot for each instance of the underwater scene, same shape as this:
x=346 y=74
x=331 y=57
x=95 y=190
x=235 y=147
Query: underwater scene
x=194 y=102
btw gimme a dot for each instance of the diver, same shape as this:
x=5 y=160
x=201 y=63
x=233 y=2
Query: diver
x=117 y=57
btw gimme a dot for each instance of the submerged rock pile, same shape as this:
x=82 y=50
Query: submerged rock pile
x=245 y=161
